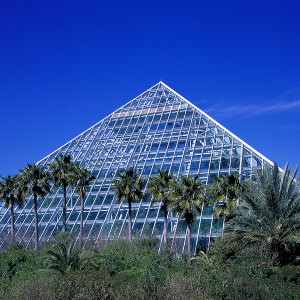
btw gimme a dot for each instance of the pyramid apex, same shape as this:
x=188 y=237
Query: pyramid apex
x=161 y=82
x=164 y=84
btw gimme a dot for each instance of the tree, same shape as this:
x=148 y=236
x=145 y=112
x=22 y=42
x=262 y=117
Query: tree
x=61 y=173
x=160 y=187
x=224 y=192
x=269 y=214
x=128 y=187
x=63 y=258
x=81 y=178
x=12 y=193
x=189 y=196
x=36 y=180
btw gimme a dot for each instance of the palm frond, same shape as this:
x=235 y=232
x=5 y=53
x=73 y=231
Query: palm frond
x=269 y=215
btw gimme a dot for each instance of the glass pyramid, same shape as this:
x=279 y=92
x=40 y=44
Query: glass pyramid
x=159 y=129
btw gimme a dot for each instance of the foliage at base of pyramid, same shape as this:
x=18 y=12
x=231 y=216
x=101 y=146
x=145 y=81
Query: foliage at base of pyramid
x=157 y=130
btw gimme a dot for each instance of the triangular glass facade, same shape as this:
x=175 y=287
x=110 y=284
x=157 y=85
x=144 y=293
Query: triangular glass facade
x=159 y=129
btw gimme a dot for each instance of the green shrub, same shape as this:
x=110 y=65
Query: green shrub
x=135 y=270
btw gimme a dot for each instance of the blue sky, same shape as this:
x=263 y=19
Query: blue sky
x=64 y=65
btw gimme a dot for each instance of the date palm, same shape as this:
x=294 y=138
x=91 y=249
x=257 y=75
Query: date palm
x=160 y=187
x=36 y=180
x=61 y=172
x=189 y=197
x=62 y=258
x=128 y=186
x=12 y=193
x=269 y=214
x=81 y=178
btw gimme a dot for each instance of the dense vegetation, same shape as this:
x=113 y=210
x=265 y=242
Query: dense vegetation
x=135 y=270
x=258 y=256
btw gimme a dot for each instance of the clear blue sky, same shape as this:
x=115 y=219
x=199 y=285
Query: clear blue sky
x=64 y=65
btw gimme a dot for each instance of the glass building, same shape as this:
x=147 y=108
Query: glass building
x=159 y=129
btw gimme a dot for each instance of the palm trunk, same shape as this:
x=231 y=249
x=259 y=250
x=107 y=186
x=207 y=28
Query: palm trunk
x=223 y=226
x=36 y=223
x=129 y=221
x=165 y=229
x=12 y=222
x=276 y=253
x=65 y=209
x=189 y=240
x=224 y=215
x=81 y=223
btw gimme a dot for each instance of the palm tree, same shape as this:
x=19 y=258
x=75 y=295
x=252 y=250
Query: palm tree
x=12 y=192
x=128 y=187
x=160 y=187
x=269 y=214
x=81 y=178
x=224 y=192
x=63 y=258
x=61 y=172
x=189 y=195
x=36 y=179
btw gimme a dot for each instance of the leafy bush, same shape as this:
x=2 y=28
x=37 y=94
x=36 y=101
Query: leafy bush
x=134 y=270
x=15 y=261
